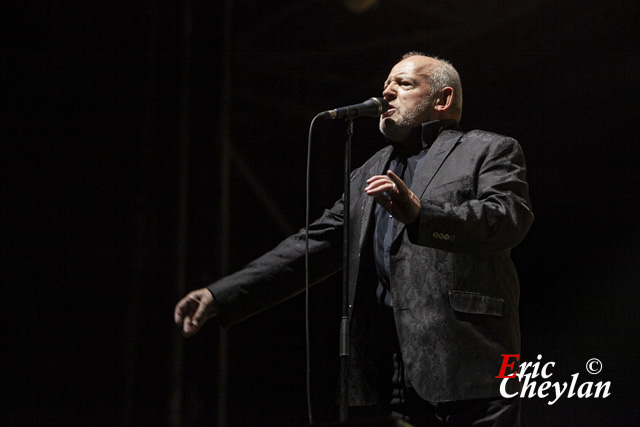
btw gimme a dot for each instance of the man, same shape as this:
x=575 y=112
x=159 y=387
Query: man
x=433 y=292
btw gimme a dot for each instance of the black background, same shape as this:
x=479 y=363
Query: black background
x=97 y=97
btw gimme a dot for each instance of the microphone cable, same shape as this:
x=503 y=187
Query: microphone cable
x=306 y=269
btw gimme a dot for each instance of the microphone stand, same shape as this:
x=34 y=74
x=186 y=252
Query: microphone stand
x=344 y=324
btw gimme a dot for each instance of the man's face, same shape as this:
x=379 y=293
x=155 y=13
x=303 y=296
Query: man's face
x=407 y=89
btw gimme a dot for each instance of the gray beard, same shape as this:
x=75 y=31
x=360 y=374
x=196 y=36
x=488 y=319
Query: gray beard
x=400 y=130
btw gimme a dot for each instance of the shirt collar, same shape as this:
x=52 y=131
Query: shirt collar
x=431 y=130
x=424 y=136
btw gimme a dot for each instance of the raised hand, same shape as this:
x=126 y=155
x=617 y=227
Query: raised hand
x=394 y=196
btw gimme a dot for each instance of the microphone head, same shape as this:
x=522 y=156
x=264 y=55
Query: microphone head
x=374 y=107
x=384 y=104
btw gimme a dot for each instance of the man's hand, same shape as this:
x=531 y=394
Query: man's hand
x=394 y=196
x=193 y=311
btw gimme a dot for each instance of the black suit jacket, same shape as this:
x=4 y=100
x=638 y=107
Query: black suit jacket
x=454 y=287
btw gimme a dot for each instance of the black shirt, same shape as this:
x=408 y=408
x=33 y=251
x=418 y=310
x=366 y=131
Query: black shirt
x=404 y=162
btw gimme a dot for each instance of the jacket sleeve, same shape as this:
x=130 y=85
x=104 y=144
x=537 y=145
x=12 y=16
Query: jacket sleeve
x=279 y=274
x=493 y=216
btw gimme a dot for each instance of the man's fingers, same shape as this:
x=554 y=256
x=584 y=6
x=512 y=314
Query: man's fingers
x=379 y=185
x=375 y=177
x=395 y=178
x=390 y=192
x=192 y=324
x=182 y=310
x=192 y=311
x=391 y=183
x=188 y=328
x=400 y=186
x=177 y=316
x=200 y=317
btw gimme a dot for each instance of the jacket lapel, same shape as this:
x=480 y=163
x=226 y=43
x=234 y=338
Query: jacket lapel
x=366 y=202
x=440 y=150
x=432 y=162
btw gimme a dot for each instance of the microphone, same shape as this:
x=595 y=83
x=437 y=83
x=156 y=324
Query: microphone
x=371 y=107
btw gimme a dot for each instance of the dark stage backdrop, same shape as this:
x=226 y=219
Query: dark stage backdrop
x=101 y=99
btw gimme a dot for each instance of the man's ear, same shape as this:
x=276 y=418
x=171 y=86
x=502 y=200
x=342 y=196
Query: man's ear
x=444 y=101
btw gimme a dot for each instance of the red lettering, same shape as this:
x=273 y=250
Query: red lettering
x=506 y=364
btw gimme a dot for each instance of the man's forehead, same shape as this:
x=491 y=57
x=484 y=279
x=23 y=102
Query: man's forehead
x=414 y=66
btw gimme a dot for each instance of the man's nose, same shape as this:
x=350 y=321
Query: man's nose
x=389 y=93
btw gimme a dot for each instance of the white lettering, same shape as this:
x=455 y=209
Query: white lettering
x=503 y=389
x=559 y=392
x=543 y=387
x=544 y=369
x=599 y=387
x=585 y=393
x=536 y=366
x=523 y=369
x=528 y=372
x=528 y=386
x=573 y=385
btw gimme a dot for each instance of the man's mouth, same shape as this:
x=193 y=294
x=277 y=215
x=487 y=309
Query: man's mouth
x=390 y=111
